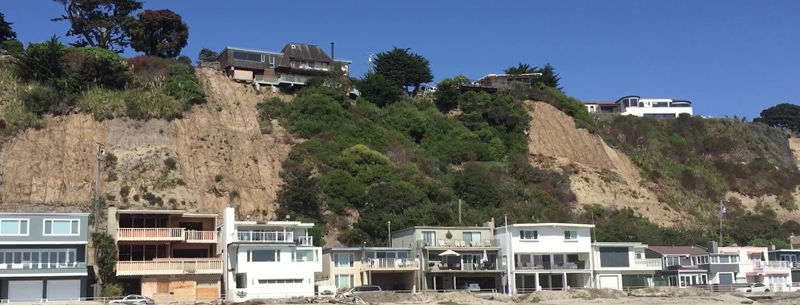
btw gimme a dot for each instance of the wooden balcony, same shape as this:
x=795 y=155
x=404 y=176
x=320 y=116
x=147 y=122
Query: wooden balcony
x=150 y=234
x=389 y=264
x=169 y=267
x=201 y=237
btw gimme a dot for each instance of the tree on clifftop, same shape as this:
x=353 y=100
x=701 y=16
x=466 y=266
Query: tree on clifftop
x=6 y=33
x=159 y=33
x=549 y=77
x=403 y=68
x=99 y=23
x=782 y=116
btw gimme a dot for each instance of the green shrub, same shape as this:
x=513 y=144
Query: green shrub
x=182 y=85
x=14 y=47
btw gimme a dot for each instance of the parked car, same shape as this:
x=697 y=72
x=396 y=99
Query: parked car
x=360 y=290
x=470 y=286
x=754 y=288
x=134 y=299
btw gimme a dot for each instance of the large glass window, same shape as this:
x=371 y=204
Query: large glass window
x=38 y=259
x=429 y=237
x=570 y=235
x=61 y=227
x=247 y=56
x=344 y=280
x=13 y=227
x=529 y=235
x=470 y=237
x=304 y=256
x=264 y=255
x=343 y=260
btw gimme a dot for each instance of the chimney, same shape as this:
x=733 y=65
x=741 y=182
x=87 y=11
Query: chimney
x=334 y=58
x=713 y=247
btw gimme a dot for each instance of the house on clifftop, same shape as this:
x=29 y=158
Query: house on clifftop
x=656 y=108
x=292 y=66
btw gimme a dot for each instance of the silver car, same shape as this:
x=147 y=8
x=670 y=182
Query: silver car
x=134 y=299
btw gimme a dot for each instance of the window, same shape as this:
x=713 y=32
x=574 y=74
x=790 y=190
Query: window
x=241 y=280
x=39 y=258
x=429 y=237
x=303 y=256
x=343 y=260
x=639 y=255
x=61 y=227
x=247 y=56
x=570 y=235
x=272 y=61
x=13 y=227
x=672 y=260
x=660 y=104
x=281 y=281
x=529 y=235
x=344 y=280
x=264 y=256
x=470 y=237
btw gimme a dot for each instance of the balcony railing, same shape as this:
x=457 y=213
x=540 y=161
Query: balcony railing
x=285 y=78
x=462 y=266
x=201 y=236
x=579 y=265
x=305 y=240
x=389 y=264
x=32 y=265
x=150 y=234
x=773 y=264
x=648 y=263
x=169 y=267
x=457 y=243
x=273 y=237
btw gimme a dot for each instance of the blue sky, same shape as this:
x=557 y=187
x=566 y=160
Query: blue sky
x=726 y=56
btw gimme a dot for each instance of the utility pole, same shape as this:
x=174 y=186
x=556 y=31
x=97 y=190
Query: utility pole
x=459 y=211
x=389 y=223
x=509 y=260
x=721 y=216
x=100 y=154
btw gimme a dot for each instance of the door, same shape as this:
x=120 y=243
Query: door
x=63 y=290
x=726 y=278
x=25 y=291
x=609 y=281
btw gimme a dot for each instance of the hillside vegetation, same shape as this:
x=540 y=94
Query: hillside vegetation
x=184 y=138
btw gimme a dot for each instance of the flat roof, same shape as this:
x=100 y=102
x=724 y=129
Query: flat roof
x=618 y=243
x=295 y=224
x=442 y=228
x=43 y=213
x=167 y=212
x=548 y=224
x=269 y=52
x=366 y=249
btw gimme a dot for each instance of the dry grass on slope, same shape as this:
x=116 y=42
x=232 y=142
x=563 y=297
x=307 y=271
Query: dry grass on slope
x=598 y=173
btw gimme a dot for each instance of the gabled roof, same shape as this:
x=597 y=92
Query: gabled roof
x=302 y=51
x=678 y=250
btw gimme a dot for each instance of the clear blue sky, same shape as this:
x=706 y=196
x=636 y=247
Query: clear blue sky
x=726 y=56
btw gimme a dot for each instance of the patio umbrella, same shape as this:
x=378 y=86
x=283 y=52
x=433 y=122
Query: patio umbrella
x=449 y=253
x=485 y=256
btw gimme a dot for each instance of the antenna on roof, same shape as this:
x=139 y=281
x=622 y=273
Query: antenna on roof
x=370 y=66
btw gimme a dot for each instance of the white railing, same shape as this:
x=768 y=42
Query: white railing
x=32 y=265
x=169 y=267
x=773 y=264
x=647 y=263
x=305 y=240
x=201 y=236
x=389 y=263
x=265 y=236
x=153 y=234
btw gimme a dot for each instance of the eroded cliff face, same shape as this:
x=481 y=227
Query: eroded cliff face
x=598 y=173
x=214 y=156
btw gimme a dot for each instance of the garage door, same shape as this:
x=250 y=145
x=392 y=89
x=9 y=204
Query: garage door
x=63 y=290
x=25 y=291
x=609 y=281
x=726 y=278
